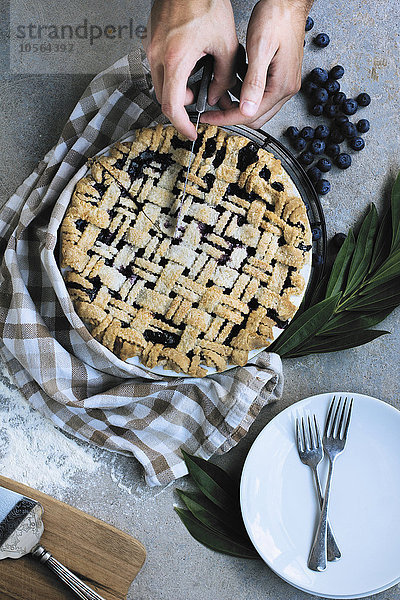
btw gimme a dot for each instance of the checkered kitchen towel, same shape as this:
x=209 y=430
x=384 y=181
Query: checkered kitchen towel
x=61 y=370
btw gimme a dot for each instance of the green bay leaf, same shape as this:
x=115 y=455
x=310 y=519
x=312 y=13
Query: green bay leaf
x=213 y=540
x=215 y=518
x=323 y=344
x=353 y=321
x=395 y=205
x=213 y=481
x=305 y=326
x=340 y=266
x=382 y=242
x=363 y=250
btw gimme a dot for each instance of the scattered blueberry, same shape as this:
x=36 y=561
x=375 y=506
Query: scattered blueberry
x=331 y=110
x=316 y=110
x=321 y=40
x=336 y=72
x=317 y=146
x=316 y=233
x=336 y=136
x=338 y=98
x=307 y=133
x=299 y=144
x=332 y=150
x=318 y=75
x=340 y=119
x=349 y=106
x=292 y=132
x=309 y=87
x=322 y=187
x=324 y=165
x=363 y=125
x=306 y=158
x=309 y=23
x=343 y=161
x=348 y=129
x=363 y=99
x=320 y=95
x=332 y=86
x=338 y=239
x=356 y=143
x=321 y=132
x=314 y=174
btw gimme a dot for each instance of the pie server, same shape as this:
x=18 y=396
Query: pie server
x=201 y=104
x=21 y=528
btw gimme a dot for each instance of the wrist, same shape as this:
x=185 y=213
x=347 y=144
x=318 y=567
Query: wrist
x=300 y=7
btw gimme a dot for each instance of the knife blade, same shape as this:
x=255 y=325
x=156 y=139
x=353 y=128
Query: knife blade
x=21 y=528
x=201 y=104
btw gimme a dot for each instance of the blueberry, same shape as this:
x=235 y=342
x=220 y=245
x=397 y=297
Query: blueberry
x=349 y=106
x=316 y=233
x=340 y=119
x=348 y=129
x=331 y=110
x=336 y=72
x=317 y=146
x=292 y=132
x=363 y=99
x=299 y=144
x=343 y=161
x=338 y=239
x=316 y=110
x=309 y=23
x=332 y=86
x=356 y=143
x=332 y=150
x=321 y=40
x=363 y=125
x=309 y=87
x=338 y=98
x=307 y=133
x=322 y=187
x=324 y=165
x=314 y=174
x=320 y=95
x=336 y=136
x=306 y=158
x=318 y=75
x=321 y=132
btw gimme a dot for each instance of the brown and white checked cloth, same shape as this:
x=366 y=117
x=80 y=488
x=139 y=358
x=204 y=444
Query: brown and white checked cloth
x=61 y=370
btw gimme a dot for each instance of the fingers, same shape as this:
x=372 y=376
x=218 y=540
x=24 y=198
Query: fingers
x=224 y=71
x=175 y=93
x=255 y=80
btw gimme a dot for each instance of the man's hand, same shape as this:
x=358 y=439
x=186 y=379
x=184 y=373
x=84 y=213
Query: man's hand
x=274 y=45
x=181 y=32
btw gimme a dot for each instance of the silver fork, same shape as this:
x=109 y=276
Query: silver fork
x=309 y=446
x=334 y=441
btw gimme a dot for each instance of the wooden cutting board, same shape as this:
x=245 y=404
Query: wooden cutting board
x=102 y=556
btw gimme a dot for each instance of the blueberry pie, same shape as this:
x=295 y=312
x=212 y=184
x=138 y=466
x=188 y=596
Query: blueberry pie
x=208 y=293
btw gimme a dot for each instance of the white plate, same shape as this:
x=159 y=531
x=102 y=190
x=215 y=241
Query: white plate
x=159 y=370
x=280 y=510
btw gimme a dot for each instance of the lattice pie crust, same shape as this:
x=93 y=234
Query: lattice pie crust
x=208 y=296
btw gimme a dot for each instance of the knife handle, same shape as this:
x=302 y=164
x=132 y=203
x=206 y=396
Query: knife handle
x=204 y=83
x=82 y=590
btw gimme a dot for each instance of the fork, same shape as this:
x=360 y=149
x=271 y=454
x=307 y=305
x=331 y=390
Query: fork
x=334 y=441
x=309 y=446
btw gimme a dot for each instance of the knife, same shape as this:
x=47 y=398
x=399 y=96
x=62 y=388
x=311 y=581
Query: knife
x=201 y=104
x=21 y=528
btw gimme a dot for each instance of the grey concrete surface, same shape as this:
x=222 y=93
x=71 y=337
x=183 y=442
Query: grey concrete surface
x=36 y=99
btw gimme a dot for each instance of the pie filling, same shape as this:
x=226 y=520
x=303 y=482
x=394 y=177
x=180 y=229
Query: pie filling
x=207 y=294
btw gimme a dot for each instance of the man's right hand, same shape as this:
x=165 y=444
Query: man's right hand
x=181 y=32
